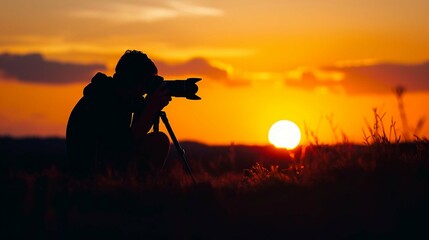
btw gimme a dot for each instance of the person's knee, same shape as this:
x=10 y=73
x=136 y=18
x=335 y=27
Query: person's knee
x=155 y=144
x=153 y=151
x=158 y=140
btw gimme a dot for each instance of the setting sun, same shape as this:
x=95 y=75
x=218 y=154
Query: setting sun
x=284 y=134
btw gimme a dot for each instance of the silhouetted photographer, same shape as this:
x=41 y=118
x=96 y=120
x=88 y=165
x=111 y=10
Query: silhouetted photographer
x=111 y=123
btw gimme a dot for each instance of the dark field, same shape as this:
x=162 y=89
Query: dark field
x=374 y=191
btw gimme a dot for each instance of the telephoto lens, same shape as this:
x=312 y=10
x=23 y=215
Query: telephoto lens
x=183 y=88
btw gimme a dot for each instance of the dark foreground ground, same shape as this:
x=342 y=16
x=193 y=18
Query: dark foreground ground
x=243 y=192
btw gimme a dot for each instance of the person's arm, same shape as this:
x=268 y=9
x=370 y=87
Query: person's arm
x=144 y=119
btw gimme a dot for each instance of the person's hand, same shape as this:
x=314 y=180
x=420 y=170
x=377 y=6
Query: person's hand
x=160 y=98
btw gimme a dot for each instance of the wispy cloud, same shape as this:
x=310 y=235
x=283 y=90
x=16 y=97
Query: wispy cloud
x=188 y=8
x=374 y=78
x=36 y=69
x=128 y=12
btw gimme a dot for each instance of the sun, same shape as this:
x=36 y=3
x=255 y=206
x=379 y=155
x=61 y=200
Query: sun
x=284 y=134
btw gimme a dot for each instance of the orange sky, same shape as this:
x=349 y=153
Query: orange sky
x=260 y=62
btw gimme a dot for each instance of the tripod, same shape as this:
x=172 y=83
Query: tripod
x=179 y=149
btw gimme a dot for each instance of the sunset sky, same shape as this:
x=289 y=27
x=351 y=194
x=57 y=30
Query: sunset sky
x=322 y=64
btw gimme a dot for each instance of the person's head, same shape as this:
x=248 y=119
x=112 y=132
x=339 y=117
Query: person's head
x=135 y=70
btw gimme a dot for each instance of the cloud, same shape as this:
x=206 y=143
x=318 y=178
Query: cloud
x=127 y=12
x=369 y=79
x=35 y=68
x=197 y=67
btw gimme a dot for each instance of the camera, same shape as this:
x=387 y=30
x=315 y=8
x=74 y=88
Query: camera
x=178 y=88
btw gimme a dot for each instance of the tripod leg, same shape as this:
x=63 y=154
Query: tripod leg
x=179 y=149
x=156 y=124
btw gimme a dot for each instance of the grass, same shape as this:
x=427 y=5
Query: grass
x=374 y=190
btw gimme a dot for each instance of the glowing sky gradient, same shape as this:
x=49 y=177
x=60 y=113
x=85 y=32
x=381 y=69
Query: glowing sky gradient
x=322 y=64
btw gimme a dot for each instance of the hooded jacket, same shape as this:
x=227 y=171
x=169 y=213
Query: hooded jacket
x=98 y=129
